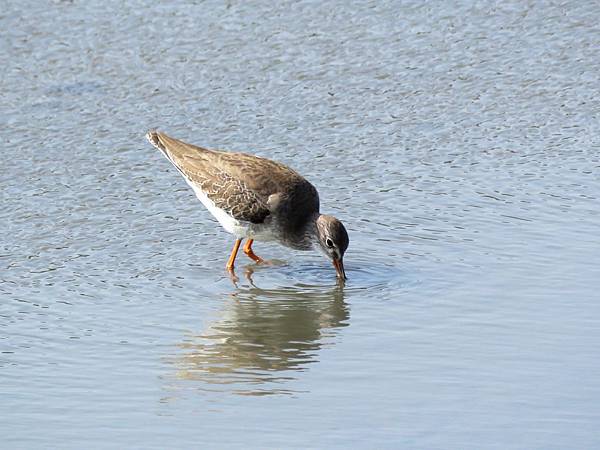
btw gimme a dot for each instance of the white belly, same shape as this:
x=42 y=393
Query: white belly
x=230 y=224
x=239 y=228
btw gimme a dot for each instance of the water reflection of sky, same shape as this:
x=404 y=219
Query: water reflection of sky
x=458 y=143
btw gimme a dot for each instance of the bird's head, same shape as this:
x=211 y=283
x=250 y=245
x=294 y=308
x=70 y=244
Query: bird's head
x=333 y=240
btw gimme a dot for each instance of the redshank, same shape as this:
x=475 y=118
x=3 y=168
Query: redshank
x=255 y=198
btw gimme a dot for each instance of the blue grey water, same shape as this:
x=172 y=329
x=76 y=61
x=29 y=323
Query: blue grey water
x=458 y=141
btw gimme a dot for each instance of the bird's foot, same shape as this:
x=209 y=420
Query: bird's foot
x=266 y=262
x=254 y=257
x=250 y=253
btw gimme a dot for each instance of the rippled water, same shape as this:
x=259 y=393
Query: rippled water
x=459 y=143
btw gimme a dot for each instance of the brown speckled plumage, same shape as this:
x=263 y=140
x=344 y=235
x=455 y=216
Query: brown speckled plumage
x=248 y=187
x=257 y=191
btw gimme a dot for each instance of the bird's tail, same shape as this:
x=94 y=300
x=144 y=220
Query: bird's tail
x=161 y=142
x=153 y=137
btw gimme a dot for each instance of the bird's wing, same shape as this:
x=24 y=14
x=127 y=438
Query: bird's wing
x=218 y=176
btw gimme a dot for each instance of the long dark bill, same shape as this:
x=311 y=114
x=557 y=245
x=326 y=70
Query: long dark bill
x=339 y=268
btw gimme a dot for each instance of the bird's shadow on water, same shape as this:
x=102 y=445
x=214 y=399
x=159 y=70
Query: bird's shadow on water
x=263 y=339
x=274 y=320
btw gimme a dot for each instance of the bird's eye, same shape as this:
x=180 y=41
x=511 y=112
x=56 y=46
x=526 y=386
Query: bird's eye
x=329 y=243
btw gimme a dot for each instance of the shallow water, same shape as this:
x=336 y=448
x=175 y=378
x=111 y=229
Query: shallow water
x=458 y=143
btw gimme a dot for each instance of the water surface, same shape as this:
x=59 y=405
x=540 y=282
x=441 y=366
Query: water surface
x=458 y=143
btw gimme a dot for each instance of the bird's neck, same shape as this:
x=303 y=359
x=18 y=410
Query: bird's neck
x=312 y=230
x=302 y=238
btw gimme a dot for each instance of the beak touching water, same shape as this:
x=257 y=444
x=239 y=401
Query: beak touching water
x=339 y=268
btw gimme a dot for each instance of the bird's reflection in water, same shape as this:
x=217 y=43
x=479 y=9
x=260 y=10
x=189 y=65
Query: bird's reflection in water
x=263 y=339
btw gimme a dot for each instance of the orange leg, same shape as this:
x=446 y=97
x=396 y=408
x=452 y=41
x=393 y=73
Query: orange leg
x=231 y=261
x=248 y=251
